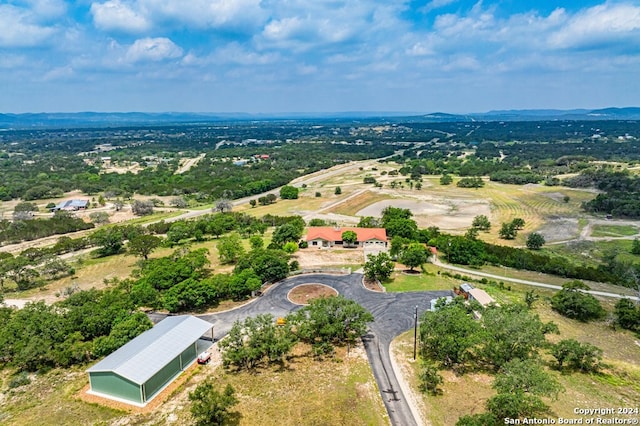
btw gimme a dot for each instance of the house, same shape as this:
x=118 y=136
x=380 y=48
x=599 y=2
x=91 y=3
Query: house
x=329 y=236
x=71 y=205
x=142 y=368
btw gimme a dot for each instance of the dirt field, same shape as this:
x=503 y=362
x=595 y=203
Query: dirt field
x=303 y=294
x=447 y=214
x=315 y=257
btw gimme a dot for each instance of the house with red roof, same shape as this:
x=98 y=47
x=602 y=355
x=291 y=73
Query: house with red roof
x=329 y=236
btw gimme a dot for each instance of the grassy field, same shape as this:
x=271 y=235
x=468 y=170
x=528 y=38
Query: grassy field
x=426 y=281
x=614 y=230
x=617 y=386
x=51 y=399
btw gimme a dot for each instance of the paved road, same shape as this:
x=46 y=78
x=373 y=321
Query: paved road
x=527 y=282
x=393 y=313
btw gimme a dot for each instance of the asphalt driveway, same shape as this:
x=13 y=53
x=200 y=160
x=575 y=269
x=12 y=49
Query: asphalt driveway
x=394 y=314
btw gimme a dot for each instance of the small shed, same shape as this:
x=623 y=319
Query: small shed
x=480 y=296
x=140 y=369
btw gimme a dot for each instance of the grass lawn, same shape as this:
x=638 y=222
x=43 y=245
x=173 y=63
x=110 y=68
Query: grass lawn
x=614 y=230
x=430 y=280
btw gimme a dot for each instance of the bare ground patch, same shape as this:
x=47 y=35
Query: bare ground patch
x=314 y=257
x=448 y=214
x=560 y=229
x=303 y=294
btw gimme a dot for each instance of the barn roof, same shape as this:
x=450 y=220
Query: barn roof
x=330 y=233
x=72 y=204
x=148 y=353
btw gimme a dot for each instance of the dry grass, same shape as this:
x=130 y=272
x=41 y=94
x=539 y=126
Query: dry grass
x=337 y=391
x=332 y=392
x=617 y=386
x=354 y=204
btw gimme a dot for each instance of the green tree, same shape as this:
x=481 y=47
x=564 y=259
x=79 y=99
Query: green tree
x=526 y=376
x=378 y=267
x=285 y=233
x=511 y=332
x=481 y=222
x=627 y=315
x=573 y=303
x=256 y=242
x=122 y=332
x=508 y=231
x=446 y=179
x=406 y=228
x=570 y=353
x=429 y=378
x=518 y=223
x=143 y=245
x=449 y=334
x=269 y=265
x=230 y=248
x=535 y=241
x=109 y=240
x=290 y=247
x=330 y=320
x=255 y=341
x=289 y=192
x=415 y=254
x=635 y=247
x=349 y=238
x=471 y=234
x=210 y=407
x=369 y=222
x=338 y=190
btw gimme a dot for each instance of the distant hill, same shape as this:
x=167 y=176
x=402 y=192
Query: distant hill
x=630 y=113
x=107 y=119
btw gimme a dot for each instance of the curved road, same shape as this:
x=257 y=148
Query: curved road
x=393 y=313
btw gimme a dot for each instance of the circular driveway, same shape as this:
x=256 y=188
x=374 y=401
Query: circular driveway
x=394 y=314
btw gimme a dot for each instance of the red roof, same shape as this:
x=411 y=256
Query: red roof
x=330 y=233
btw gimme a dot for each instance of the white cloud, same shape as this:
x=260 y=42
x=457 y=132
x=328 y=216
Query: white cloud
x=19 y=28
x=602 y=24
x=118 y=16
x=153 y=49
x=48 y=8
x=207 y=13
x=60 y=73
x=436 y=4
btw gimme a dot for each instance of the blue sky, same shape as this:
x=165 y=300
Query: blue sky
x=268 y=56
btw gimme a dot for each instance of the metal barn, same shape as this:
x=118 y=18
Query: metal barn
x=140 y=369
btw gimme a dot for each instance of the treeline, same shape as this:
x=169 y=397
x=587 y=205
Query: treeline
x=51 y=173
x=87 y=325
x=621 y=197
x=466 y=251
x=26 y=230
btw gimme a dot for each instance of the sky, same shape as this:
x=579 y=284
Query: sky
x=275 y=56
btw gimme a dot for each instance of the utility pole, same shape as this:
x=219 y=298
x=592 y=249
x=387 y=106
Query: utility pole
x=415 y=333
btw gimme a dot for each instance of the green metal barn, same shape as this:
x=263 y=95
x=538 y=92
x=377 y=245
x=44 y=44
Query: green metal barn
x=139 y=370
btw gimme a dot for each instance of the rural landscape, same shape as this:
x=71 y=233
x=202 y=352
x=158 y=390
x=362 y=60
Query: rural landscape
x=418 y=270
